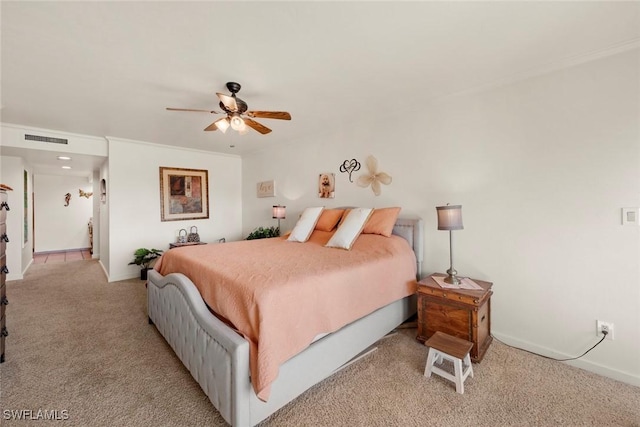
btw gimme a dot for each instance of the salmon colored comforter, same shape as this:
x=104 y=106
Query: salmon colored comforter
x=280 y=295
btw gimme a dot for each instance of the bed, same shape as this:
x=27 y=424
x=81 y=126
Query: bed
x=220 y=358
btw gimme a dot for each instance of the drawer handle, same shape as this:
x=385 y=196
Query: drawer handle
x=4 y=237
x=4 y=269
x=4 y=332
x=482 y=319
x=4 y=205
x=4 y=301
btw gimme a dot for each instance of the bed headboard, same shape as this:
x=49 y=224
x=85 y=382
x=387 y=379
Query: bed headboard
x=412 y=230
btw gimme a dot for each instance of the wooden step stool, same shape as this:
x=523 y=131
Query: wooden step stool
x=443 y=346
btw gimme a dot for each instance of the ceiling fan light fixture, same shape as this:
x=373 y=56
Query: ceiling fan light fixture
x=222 y=124
x=237 y=123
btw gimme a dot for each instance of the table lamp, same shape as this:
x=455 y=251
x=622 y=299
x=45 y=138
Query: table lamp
x=450 y=218
x=279 y=212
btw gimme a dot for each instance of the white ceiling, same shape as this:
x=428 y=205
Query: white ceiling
x=111 y=68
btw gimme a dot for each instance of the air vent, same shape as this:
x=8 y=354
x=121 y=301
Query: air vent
x=46 y=139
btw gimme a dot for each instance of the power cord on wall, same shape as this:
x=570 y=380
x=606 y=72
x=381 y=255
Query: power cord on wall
x=604 y=335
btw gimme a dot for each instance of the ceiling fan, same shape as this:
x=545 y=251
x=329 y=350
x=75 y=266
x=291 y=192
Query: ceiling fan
x=238 y=118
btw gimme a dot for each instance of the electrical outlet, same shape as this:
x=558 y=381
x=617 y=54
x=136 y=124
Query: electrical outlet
x=606 y=327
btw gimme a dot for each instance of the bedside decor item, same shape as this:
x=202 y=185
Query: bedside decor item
x=182 y=235
x=193 y=236
x=450 y=218
x=67 y=199
x=263 y=233
x=279 y=212
x=144 y=258
x=184 y=194
x=374 y=178
x=327 y=186
x=350 y=166
x=84 y=194
x=266 y=189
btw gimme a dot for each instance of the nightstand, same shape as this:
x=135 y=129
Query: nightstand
x=458 y=312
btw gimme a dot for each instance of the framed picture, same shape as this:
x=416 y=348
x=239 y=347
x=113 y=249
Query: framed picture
x=327 y=186
x=184 y=194
x=266 y=189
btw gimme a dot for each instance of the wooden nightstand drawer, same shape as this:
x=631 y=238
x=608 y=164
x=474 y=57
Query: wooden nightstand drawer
x=461 y=313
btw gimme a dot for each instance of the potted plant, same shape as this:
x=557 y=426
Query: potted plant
x=144 y=258
x=264 y=233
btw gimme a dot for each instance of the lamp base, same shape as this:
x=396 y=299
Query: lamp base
x=452 y=277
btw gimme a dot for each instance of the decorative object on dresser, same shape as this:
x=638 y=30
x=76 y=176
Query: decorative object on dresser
x=463 y=313
x=193 y=235
x=450 y=218
x=374 y=178
x=279 y=212
x=4 y=239
x=144 y=258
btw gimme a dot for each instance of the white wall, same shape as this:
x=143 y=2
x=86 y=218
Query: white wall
x=541 y=167
x=133 y=188
x=59 y=227
x=19 y=254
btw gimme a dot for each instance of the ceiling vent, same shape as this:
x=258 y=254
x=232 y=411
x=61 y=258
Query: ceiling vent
x=45 y=139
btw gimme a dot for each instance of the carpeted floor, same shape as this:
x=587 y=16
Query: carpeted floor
x=82 y=345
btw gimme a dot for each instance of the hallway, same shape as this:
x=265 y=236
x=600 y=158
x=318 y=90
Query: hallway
x=49 y=257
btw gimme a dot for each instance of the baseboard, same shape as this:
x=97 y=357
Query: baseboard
x=596 y=368
x=61 y=251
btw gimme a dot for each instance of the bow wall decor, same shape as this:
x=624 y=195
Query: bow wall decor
x=373 y=178
x=350 y=166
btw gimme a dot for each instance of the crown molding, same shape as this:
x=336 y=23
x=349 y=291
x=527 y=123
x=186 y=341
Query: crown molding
x=568 y=62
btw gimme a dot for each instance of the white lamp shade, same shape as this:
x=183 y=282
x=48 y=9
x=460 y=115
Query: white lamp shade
x=222 y=124
x=449 y=217
x=237 y=123
x=279 y=212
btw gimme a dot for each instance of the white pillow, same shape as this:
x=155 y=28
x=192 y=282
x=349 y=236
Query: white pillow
x=349 y=229
x=305 y=225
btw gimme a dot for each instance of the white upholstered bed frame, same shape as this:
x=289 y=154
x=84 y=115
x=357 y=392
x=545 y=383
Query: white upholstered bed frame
x=218 y=357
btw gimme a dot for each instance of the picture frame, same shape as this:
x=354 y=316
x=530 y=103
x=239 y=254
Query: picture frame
x=266 y=189
x=184 y=194
x=327 y=185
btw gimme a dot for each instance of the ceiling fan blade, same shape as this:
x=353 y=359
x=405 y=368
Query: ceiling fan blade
x=191 y=109
x=281 y=115
x=257 y=126
x=228 y=101
x=219 y=125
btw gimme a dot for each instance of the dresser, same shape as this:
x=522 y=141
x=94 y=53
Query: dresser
x=4 y=207
x=461 y=313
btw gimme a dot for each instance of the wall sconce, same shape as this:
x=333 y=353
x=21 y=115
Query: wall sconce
x=279 y=212
x=450 y=218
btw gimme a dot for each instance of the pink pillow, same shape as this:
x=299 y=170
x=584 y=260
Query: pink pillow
x=328 y=219
x=381 y=221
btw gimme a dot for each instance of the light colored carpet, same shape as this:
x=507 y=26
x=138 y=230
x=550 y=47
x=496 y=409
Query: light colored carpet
x=80 y=344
